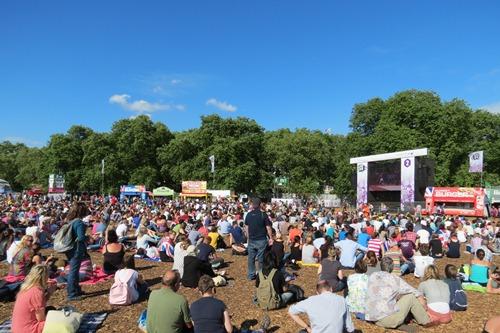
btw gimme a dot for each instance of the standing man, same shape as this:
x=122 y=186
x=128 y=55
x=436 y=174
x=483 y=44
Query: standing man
x=76 y=255
x=168 y=311
x=259 y=231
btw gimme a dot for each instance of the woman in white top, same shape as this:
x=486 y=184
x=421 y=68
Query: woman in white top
x=308 y=252
x=180 y=251
x=437 y=296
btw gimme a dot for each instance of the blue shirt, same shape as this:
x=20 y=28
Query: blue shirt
x=342 y=235
x=225 y=227
x=348 y=250
x=193 y=236
x=331 y=232
x=238 y=236
x=363 y=239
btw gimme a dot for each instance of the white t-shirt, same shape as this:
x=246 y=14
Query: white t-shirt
x=423 y=236
x=421 y=262
x=462 y=237
x=12 y=251
x=179 y=254
x=122 y=230
x=318 y=242
x=32 y=231
x=307 y=254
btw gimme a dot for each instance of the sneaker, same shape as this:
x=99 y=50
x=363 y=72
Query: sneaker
x=266 y=322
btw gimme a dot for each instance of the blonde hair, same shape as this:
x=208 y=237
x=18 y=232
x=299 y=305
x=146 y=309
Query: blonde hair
x=142 y=231
x=431 y=272
x=23 y=244
x=38 y=276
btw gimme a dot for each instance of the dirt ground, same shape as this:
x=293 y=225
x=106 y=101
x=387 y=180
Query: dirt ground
x=237 y=295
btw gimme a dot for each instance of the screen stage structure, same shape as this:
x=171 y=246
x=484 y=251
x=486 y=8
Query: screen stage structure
x=393 y=177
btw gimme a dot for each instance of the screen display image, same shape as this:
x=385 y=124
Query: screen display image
x=384 y=176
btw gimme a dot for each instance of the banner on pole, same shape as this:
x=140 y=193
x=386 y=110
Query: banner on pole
x=407 y=182
x=212 y=162
x=362 y=183
x=476 y=161
x=102 y=166
x=56 y=183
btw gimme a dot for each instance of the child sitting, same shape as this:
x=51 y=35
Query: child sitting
x=135 y=290
x=458 y=298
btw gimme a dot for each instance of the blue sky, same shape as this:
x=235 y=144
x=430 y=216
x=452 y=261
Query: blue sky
x=283 y=63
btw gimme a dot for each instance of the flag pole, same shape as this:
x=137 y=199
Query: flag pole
x=102 y=177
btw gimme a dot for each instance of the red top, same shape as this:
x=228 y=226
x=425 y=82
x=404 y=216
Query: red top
x=23 y=316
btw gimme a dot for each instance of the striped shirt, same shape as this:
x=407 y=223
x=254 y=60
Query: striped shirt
x=395 y=256
x=375 y=245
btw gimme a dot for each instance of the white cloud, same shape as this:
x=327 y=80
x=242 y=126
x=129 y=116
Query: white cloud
x=142 y=106
x=223 y=106
x=175 y=82
x=493 y=108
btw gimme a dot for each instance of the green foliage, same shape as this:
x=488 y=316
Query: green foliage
x=248 y=159
x=236 y=143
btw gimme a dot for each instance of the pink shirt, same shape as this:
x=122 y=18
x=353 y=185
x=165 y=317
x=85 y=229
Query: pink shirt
x=23 y=315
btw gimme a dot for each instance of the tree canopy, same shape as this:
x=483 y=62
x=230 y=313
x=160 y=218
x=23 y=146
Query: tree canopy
x=249 y=159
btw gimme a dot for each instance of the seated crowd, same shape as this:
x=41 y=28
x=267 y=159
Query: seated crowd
x=364 y=258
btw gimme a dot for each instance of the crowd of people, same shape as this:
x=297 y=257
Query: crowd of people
x=360 y=258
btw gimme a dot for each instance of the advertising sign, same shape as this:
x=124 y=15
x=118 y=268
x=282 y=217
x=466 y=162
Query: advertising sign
x=407 y=182
x=466 y=201
x=56 y=183
x=163 y=192
x=132 y=188
x=194 y=187
x=362 y=184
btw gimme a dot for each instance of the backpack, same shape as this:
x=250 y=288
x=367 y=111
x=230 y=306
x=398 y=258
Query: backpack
x=120 y=293
x=458 y=297
x=298 y=292
x=267 y=298
x=64 y=240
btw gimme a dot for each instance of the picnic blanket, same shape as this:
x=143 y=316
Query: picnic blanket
x=90 y=323
x=300 y=263
x=472 y=286
x=147 y=258
x=98 y=276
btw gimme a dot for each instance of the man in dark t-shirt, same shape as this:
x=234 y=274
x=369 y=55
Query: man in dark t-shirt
x=209 y=314
x=407 y=250
x=205 y=251
x=259 y=231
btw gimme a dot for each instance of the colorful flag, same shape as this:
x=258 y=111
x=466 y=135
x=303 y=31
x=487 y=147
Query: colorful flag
x=476 y=161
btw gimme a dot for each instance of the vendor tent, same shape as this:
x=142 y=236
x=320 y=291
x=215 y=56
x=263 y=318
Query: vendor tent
x=493 y=194
x=163 y=192
x=133 y=191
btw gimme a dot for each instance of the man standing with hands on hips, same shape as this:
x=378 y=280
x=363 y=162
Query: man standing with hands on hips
x=259 y=232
